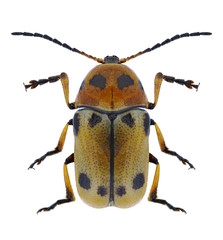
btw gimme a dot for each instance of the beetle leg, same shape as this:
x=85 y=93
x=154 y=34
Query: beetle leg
x=158 y=81
x=58 y=148
x=69 y=191
x=153 y=192
x=65 y=84
x=165 y=149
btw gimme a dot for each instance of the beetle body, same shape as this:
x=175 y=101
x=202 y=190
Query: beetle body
x=111 y=129
x=111 y=142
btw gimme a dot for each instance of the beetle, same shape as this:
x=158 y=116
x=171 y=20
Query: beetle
x=111 y=130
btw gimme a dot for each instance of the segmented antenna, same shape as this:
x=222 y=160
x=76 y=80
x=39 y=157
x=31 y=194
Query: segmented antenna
x=168 y=40
x=54 y=40
x=105 y=60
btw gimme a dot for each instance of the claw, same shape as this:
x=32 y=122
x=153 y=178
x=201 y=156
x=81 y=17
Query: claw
x=180 y=209
x=197 y=86
x=30 y=167
x=35 y=162
x=185 y=161
x=189 y=84
x=27 y=86
x=41 y=210
x=33 y=84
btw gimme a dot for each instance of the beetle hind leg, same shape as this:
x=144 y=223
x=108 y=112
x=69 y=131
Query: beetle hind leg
x=153 y=192
x=69 y=191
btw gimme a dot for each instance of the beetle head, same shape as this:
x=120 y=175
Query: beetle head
x=111 y=59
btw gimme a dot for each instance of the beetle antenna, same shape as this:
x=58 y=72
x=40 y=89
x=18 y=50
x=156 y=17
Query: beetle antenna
x=168 y=40
x=54 y=40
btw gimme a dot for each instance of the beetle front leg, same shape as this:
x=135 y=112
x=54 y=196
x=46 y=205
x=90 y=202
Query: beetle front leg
x=65 y=84
x=165 y=149
x=158 y=81
x=58 y=148
x=69 y=191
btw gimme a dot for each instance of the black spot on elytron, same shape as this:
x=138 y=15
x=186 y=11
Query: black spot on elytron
x=124 y=81
x=76 y=123
x=94 y=120
x=101 y=191
x=98 y=81
x=121 y=191
x=127 y=119
x=82 y=85
x=138 y=181
x=84 y=181
x=146 y=123
x=140 y=85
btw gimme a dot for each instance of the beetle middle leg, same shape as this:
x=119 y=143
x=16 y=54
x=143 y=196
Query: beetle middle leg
x=165 y=149
x=69 y=191
x=153 y=192
x=58 y=148
x=158 y=81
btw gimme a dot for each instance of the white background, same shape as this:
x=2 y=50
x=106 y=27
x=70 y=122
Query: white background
x=31 y=122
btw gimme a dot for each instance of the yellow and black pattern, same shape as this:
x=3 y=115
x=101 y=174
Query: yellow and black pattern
x=131 y=130
x=111 y=156
x=92 y=166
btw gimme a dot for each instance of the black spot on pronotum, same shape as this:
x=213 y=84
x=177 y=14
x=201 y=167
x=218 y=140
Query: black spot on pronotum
x=84 y=181
x=121 y=191
x=82 y=85
x=76 y=123
x=127 y=119
x=138 y=181
x=124 y=81
x=101 y=191
x=98 y=81
x=94 y=120
x=146 y=123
